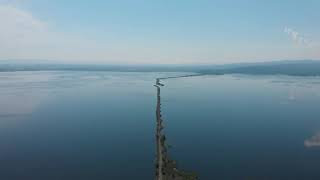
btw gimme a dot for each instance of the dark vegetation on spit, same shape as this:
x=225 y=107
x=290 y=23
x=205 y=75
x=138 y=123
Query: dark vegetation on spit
x=166 y=168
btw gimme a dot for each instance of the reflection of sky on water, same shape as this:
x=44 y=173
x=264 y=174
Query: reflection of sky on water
x=299 y=88
x=22 y=92
x=79 y=122
x=313 y=141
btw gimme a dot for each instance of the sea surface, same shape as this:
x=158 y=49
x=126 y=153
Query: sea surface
x=67 y=125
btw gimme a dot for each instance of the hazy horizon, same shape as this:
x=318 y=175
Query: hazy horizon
x=57 y=62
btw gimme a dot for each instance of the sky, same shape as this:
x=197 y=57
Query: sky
x=159 y=31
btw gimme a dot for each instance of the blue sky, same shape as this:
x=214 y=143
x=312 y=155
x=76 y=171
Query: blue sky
x=159 y=32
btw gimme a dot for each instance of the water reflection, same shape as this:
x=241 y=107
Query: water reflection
x=100 y=125
x=314 y=141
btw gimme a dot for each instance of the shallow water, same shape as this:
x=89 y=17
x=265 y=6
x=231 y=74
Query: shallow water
x=100 y=125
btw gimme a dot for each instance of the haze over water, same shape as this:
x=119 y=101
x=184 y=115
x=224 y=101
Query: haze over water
x=100 y=125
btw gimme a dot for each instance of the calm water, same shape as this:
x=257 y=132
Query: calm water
x=100 y=125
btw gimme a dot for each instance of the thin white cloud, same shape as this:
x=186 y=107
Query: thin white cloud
x=18 y=26
x=296 y=36
x=20 y=32
x=23 y=36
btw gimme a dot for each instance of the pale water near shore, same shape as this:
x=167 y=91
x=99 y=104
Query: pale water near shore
x=100 y=125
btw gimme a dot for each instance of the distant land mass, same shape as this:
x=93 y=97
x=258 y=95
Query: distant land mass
x=288 y=67
x=10 y=66
x=294 y=68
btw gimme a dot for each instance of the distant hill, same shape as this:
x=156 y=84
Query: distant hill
x=10 y=67
x=295 y=68
x=26 y=65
